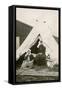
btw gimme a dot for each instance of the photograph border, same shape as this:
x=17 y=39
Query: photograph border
x=14 y=43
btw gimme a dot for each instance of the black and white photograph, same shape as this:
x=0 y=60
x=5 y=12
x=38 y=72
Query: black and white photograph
x=37 y=44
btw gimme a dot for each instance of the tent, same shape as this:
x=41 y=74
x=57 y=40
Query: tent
x=56 y=38
x=47 y=38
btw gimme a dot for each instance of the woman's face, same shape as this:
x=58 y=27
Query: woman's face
x=29 y=52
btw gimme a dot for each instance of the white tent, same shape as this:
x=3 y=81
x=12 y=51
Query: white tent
x=47 y=38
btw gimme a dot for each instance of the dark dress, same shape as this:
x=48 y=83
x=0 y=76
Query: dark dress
x=40 y=58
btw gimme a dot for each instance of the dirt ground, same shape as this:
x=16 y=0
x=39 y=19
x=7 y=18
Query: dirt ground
x=36 y=74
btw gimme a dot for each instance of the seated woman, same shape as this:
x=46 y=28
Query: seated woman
x=28 y=63
x=40 y=58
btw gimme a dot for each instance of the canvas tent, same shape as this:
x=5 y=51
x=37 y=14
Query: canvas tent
x=56 y=38
x=47 y=38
